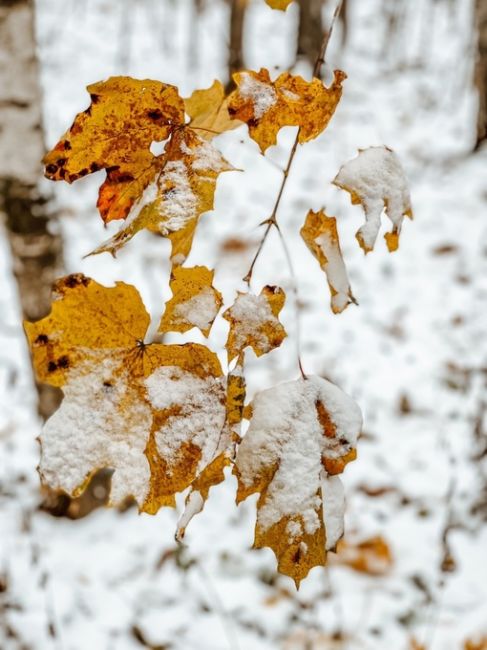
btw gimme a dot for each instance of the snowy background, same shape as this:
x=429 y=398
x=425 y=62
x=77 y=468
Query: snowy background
x=413 y=354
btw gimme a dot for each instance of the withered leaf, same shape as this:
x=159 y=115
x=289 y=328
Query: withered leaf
x=208 y=110
x=376 y=179
x=115 y=133
x=195 y=301
x=153 y=413
x=372 y=556
x=254 y=322
x=299 y=432
x=266 y=105
x=321 y=236
x=183 y=189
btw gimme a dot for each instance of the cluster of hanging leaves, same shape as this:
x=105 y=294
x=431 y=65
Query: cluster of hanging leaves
x=167 y=418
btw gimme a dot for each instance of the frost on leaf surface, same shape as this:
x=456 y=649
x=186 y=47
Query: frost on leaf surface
x=254 y=322
x=266 y=106
x=183 y=189
x=208 y=110
x=195 y=301
x=321 y=237
x=153 y=413
x=300 y=432
x=376 y=179
x=115 y=133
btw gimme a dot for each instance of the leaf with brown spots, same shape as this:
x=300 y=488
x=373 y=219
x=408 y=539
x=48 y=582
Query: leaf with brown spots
x=376 y=179
x=300 y=432
x=254 y=322
x=195 y=301
x=182 y=191
x=321 y=237
x=208 y=110
x=115 y=133
x=154 y=413
x=266 y=105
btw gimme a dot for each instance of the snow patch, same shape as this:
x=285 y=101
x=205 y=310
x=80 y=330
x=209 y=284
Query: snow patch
x=200 y=310
x=262 y=95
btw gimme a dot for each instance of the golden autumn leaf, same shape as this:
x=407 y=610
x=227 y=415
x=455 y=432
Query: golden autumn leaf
x=224 y=452
x=195 y=301
x=254 y=322
x=208 y=110
x=300 y=432
x=321 y=237
x=372 y=556
x=154 y=413
x=183 y=189
x=279 y=4
x=115 y=133
x=266 y=106
x=376 y=179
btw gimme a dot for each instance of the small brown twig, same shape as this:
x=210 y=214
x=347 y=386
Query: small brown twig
x=272 y=220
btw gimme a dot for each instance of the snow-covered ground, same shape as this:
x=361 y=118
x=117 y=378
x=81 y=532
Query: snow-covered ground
x=413 y=354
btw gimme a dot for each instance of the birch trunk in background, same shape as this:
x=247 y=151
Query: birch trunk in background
x=481 y=70
x=29 y=224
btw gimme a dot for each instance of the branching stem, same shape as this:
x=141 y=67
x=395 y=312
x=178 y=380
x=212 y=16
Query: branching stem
x=272 y=220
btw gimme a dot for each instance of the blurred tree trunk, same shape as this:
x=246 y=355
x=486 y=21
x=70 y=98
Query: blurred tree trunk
x=481 y=70
x=235 y=48
x=310 y=29
x=31 y=227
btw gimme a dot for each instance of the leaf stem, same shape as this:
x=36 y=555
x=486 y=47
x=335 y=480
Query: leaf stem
x=272 y=220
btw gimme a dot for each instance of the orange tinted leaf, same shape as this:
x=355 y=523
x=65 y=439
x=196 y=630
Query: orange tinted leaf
x=266 y=106
x=279 y=4
x=376 y=179
x=115 y=133
x=254 y=322
x=372 y=556
x=296 y=428
x=182 y=191
x=195 y=302
x=321 y=236
x=208 y=110
x=153 y=413
x=480 y=643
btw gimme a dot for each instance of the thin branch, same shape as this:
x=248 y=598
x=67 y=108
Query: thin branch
x=272 y=220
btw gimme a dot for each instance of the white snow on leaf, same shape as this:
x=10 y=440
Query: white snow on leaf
x=262 y=95
x=252 y=312
x=285 y=432
x=178 y=203
x=377 y=178
x=336 y=272
x=90 y=431
x=206 y=157
x=200 y=310
x=201 y=414
x=333 y=510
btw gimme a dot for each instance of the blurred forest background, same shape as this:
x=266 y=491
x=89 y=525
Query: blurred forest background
x=412 y=571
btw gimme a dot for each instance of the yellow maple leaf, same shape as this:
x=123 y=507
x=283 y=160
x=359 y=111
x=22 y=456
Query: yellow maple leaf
x=372 y=556
x=321 y=236
x=376 y=179
x=208 y=110
x=153 y=413
x=299 y=432
x=254 y=322
x=266 y=105
x=195 y=302
x=279 y=4
x=115 y=133
x=182 y=191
